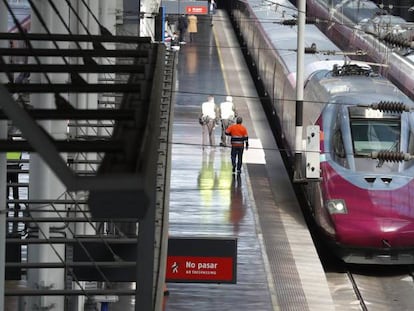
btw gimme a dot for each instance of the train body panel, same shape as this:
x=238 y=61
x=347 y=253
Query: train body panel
x=370 y=211
x=364 y=206
x=378 y=224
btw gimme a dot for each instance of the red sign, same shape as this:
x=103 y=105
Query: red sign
x=196 y=9
x=187 y=268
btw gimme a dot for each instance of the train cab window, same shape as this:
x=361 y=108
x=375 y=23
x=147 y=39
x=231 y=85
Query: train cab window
x=374 y=135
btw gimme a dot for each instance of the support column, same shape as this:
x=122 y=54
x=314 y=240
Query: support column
x=108 y=15
x=107 y=18
x=43 y=183
x=87 y=101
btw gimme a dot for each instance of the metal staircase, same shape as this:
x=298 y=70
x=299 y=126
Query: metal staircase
x=114 y=162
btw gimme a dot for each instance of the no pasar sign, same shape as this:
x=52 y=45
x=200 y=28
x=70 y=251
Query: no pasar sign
x=201 y=260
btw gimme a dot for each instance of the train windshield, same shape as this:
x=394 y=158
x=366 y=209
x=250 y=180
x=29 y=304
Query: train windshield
x=370 y=135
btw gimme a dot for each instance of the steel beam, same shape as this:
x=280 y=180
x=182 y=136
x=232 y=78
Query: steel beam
x=68 y=219
x=96 y=239
x=73 y=38
x=69 y=292
x=108 y=146
x=85 y=68
x=124 y=53
x=47 y=201
x=79 y=114
x=73 y=88
x=67 y=264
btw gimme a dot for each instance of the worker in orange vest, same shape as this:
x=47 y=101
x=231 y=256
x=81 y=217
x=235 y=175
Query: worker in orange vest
x=239 y=138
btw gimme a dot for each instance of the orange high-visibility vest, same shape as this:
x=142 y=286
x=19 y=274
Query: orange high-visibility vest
x=238 y=135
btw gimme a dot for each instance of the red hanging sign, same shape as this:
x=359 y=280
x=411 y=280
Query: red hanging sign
x=196 y=9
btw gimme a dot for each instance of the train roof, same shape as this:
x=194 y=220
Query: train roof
x=286 y=42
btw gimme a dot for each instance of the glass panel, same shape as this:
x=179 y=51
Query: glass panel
x=339 y=145
x=358 y=4
x=375 y=135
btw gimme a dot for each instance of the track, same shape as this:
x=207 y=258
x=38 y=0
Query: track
x=367 y=287
x=372 y=288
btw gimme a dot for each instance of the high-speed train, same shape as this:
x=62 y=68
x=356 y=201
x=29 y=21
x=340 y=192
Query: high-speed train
x=363 y=200
x=363 y=25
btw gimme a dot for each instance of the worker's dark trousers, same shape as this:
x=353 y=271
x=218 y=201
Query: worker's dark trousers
x=237 y=157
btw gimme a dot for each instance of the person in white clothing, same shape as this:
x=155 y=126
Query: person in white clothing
x=208 y=119
x=212 y=10
x=227 y=115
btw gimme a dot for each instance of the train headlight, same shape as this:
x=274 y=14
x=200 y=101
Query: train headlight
x=336 y=207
